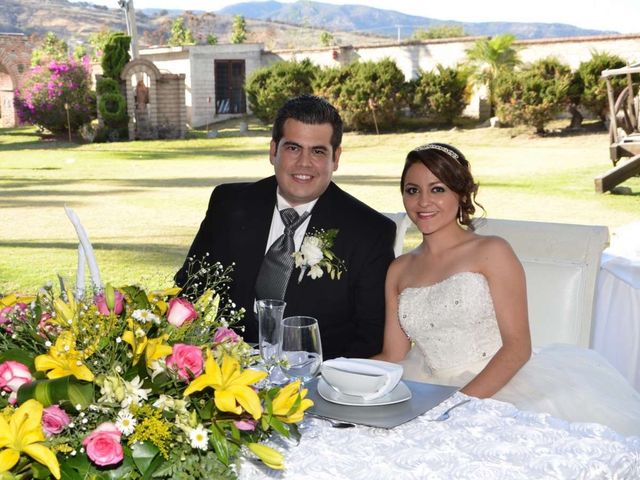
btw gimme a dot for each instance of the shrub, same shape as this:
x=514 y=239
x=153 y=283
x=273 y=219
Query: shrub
x=441 y=94
x=42 y=98
x=116 y=55
x=269 y=87
x=534 y=95
x=107 y=85
x=354 y=88
x=594 y=94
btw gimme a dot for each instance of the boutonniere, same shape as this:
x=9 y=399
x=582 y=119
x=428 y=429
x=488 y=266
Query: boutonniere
x=315 y=255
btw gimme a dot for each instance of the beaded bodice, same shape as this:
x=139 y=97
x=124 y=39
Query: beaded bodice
x=452 y=322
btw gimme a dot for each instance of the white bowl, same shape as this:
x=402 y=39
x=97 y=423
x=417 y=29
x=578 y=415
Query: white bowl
x=352 y=383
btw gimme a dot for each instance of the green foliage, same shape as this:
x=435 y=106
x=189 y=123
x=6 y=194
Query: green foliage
x=439 y=31
x=269 y=87
x=212 y=39
x=116 y=55
x=535 y=95
x=489 y=58
x=80 y=52
x=98 y=41
x=326 y=39
x=46 y=90
x=180 y=34
x=113 y=109
x=239 y=30
x=52 y=48
x=354 y=88
x=440 y=94
x=107 y=85
x=594 y=94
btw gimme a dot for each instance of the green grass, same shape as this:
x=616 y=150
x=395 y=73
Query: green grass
x=142 y=202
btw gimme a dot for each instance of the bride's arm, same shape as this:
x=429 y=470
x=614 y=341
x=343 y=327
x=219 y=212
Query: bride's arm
x=395 y=344
x=506 y=279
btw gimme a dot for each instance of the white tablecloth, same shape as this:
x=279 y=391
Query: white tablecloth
x=483 y=439
x=616 y=332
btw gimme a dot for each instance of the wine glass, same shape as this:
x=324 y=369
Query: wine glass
x=270 y=312
x=300 y=348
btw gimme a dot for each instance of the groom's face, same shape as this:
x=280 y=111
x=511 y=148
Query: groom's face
x=304 y=161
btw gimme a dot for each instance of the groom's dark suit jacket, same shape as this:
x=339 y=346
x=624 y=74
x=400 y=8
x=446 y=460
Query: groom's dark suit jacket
x=350 y=310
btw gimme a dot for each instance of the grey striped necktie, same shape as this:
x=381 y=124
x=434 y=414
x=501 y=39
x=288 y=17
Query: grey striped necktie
x=278 y=262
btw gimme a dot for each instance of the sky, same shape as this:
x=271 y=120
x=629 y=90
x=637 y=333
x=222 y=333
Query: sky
x=616 y=15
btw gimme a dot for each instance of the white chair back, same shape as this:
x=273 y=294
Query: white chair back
x=402 y=223
x=561 y=263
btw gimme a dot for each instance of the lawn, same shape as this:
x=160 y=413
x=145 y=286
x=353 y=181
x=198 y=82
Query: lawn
x=141 y=202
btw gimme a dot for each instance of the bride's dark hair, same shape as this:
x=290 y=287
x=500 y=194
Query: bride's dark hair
x=452 y=168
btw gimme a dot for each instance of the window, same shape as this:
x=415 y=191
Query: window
x=229 y=78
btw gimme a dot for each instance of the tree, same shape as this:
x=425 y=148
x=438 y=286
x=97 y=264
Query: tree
x=239 y=30
x=440 y=94
x=50 y=91
x=180 y=34
x=326 y=39
x=594 y=95
x=534 y=95
x=52 y=48
x=98 y=40
x=269 y=87
x=489 y=58
x=439 y=31
x=367 y=94
x=212 y=39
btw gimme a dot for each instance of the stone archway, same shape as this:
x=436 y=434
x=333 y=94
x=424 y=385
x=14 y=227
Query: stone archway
x=155 y=101
x=15 y=57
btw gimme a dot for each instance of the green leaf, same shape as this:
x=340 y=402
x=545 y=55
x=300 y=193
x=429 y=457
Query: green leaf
x=138 y=296
x=220 y=444
x=143 y=454
x=279 y=427
x=18 y=356
x=58 y=391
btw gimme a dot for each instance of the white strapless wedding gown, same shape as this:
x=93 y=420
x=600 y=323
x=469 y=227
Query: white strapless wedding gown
x=455 y=333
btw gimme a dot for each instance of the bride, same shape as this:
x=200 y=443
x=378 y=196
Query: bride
x=456 y=310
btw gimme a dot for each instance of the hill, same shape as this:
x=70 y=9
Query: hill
x=359 y=18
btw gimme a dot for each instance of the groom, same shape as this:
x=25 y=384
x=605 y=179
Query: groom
x=249 y=224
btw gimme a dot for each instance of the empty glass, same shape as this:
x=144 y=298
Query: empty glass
x=300 y=348
x=270 y=313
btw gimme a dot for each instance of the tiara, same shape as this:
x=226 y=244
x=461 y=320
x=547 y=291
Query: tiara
x=435 y=146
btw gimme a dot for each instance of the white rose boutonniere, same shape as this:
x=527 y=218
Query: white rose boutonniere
x=315 y=255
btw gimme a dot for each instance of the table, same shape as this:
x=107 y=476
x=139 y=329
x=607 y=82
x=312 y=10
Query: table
x=481 y=439
x=616 y=333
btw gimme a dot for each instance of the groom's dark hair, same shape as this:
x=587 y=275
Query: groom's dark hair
x=311 y=110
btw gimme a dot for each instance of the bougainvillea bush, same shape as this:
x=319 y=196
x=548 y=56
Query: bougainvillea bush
x=47 y=89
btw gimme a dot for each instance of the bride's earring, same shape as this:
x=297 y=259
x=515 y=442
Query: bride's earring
x=460 y=216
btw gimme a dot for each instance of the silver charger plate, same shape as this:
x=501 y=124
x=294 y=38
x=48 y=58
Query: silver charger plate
x=400 y=393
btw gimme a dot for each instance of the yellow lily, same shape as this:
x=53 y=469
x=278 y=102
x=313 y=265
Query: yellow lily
x=23 y=433
x=285 y=400
x=231 y=385
x=155 y=298
x=8 y=300
x=157 y=349
x=270 y=457
x=137 y=344
x=65 y=311
x=63 y=359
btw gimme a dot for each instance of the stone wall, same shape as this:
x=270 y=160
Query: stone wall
x=15 y=58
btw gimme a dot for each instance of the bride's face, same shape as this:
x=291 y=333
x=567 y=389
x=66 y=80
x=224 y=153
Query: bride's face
x=430 y=204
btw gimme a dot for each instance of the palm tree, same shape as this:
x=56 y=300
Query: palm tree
x=490 y=56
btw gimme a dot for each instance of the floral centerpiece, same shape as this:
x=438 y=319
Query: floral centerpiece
x=134 y=383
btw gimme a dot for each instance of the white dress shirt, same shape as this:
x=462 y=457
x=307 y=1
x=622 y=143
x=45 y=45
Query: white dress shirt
x=277 y=226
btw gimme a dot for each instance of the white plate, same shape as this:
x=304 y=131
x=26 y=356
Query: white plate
x=399 y=394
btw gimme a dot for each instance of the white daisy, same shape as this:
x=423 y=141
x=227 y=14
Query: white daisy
x=144 y=316
x=126 y=422
x=199 y=438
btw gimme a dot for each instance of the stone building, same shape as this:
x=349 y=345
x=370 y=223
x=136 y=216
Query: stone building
x=15 y=59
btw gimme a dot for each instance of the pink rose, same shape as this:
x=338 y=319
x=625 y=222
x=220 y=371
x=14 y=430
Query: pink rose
x=103 y=445
x=12 y=376
x=180 y=312
x=54 y=419
x=4 y=315
x=187 y=360
x=224 y=333
x=101 y=303
x=246 y=425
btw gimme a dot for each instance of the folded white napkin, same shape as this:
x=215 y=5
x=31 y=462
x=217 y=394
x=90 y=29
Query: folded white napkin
x=391 y=371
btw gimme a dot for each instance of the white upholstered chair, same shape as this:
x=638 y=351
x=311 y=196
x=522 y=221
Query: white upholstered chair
x=402 y=223
x=561 y=262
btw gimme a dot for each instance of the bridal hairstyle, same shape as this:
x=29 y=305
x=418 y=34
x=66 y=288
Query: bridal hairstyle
x=449 y=165
x=311 y=110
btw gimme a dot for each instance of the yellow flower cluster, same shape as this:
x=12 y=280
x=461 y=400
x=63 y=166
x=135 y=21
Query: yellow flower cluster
x=152 y=428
